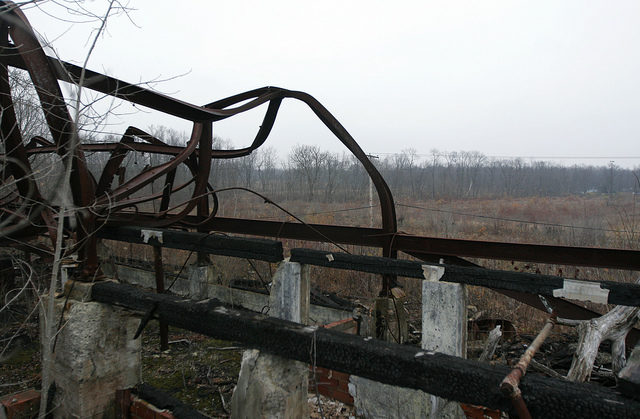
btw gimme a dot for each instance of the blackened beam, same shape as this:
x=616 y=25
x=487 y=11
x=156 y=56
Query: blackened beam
x=213 y=243
x=605 y=292
x=362 y=236
x=401 y=365
x=163 y=400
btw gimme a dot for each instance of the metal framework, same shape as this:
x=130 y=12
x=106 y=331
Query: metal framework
x=26 y=212
x=110 y=210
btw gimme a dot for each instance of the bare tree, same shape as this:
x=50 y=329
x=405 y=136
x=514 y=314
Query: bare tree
x=332 y=167
x=308 y=161
x=247 y=167
x=266 y=161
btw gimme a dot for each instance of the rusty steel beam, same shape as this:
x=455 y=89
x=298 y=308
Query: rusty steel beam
x=373 y=237
x=539 y=253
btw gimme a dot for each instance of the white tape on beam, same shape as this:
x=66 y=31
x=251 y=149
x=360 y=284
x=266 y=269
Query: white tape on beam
x=147 y=234
x=432 y=273
x=582 y=291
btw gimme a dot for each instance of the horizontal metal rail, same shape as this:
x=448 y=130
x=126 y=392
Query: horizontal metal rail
x=212 y=243
x=605 y=292
x=373 y=237
x=443 y=375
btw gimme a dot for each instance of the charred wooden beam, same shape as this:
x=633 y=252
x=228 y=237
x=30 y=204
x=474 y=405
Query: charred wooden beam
x=163 y=400
x=606 y=292
x=401 y=365
x=216 y=244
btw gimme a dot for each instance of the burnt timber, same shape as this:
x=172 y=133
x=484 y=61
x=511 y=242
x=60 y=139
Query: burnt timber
x=435 y=373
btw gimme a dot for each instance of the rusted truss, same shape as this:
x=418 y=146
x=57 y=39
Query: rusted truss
x=27 y=212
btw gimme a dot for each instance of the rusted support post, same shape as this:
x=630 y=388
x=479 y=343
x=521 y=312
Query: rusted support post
x=509 y=385
x=159 y=270
x=390 y=320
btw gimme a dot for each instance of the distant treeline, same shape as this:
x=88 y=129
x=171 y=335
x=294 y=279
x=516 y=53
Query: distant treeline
x=309 y=173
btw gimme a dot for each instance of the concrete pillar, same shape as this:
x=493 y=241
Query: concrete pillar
x=95 y=355
x=199 y=279
x=444 y=327
x=443 y=330
x=270 y=386
x=390 y=320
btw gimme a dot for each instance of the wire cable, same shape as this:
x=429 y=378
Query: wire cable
x=513 y=220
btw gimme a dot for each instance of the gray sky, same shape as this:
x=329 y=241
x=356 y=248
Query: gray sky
x=509 y=78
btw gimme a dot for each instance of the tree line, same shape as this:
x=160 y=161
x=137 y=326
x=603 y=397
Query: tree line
x=309 y=173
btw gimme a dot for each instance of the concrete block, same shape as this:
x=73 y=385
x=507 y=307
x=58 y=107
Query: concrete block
x=270 y=386
x=289 y=298
x=199 y=279
x=444 y=318
x=95 y=355
x=443 y=330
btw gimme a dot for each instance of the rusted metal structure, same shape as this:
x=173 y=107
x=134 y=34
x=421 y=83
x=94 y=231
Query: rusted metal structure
x=27 y=213
x=116 y=209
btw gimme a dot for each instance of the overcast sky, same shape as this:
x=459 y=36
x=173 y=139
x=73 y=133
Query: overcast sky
x=510 y=78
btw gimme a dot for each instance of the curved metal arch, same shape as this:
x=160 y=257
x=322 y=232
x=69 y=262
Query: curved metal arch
x=26 y=52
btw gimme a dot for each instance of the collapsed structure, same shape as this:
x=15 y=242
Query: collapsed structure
x=114 y=199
